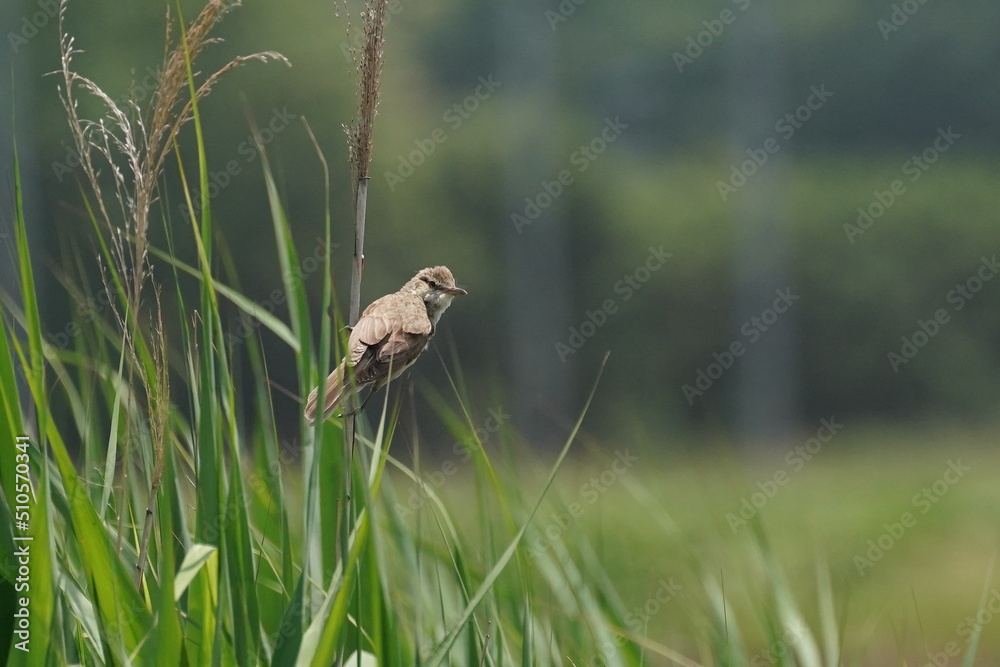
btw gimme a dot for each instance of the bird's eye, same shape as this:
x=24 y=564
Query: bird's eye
x=433 y=284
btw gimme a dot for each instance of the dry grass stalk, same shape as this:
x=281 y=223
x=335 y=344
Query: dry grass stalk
x=132 y=144
x=359 y=133
x=359 y=142
x=142 y=139
x=368 y=63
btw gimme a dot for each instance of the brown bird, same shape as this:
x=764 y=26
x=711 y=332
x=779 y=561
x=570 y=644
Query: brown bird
x=388 y=338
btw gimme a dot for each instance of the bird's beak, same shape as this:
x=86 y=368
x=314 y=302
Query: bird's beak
x=457 y=291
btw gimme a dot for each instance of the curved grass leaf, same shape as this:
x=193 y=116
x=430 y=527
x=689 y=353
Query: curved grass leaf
x=441 y=651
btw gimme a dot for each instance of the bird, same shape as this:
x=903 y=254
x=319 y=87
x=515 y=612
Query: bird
x=387 y=339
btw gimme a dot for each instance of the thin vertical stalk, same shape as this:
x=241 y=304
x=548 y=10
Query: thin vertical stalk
x=361 y=207
x=359 y=248
x=359 y=140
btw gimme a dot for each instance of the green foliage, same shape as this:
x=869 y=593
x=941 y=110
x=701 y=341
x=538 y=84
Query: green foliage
x=657 y=185
x=247 y=566
x=258 y=556
x=237 y=574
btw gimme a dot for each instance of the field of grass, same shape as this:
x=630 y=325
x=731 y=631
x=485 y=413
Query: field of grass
x=676 y=522
x=152 y=515
x=184 y=531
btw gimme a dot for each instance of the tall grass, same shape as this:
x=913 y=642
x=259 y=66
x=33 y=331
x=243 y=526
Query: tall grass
x=180 y=533
x=168 y=530
x=243 y=562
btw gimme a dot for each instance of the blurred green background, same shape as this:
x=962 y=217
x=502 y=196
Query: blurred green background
x=457 y=162
x=823 y=176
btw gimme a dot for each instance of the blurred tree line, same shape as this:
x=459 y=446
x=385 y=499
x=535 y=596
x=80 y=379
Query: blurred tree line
x=549 y=153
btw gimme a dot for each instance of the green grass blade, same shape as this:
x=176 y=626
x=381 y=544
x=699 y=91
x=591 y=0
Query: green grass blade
x=788 y=612
x=441 y=651
x=194 y=560
x=248 y=306
x=246 y=617
x=319 y=643
x=36 y=533
x=828 y=614
x=289 y=635
x=970 y=654
x=111 y=459
x=291 y=272
x=166 y=646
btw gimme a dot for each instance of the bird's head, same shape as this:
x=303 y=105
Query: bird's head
x=436 y=286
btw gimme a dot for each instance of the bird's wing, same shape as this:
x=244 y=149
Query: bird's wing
x=398 y=312
x=392 y=331
x=400 y=348
x=412 y=314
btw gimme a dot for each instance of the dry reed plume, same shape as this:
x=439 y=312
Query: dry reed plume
x=132 y=144
x=368 y=62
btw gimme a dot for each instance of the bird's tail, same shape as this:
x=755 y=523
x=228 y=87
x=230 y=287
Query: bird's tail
x=338 y=390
